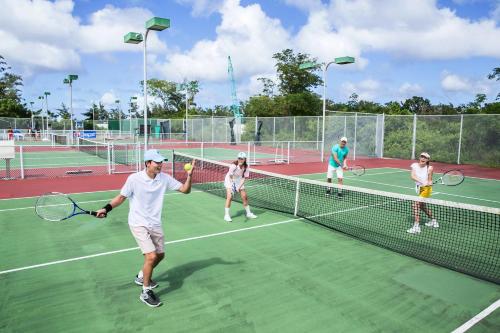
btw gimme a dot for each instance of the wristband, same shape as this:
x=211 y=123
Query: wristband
x=108 y=208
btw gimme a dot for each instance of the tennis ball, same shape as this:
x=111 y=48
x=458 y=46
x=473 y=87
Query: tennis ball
x=188 y=166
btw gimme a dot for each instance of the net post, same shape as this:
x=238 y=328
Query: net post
x=414 y=137
x=460 y=137
x=297 y=190
x=21 y=160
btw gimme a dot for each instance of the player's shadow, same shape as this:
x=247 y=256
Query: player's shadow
x=176 y=275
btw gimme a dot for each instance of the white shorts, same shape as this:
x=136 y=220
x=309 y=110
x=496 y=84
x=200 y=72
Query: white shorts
x=149 y=239
x=338 y=170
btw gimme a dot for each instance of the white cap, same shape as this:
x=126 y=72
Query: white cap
x=242 y=155
x=426 y=155
x=153 y=155
x=343 y=139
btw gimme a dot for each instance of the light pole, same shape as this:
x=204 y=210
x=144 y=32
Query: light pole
x=31 y=109
x=157 y=24
x=42 y=130
x=119 y=117
x=133 y=100
x=69 y=81
x=46 y=93
x=324 y=67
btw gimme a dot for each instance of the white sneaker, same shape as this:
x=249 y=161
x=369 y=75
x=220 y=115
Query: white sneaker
x=251 y=216
x=432 y=223
x=227 y=218
x=414 y=230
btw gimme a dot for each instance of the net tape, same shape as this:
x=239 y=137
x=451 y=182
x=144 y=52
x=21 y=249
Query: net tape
x=466 y=241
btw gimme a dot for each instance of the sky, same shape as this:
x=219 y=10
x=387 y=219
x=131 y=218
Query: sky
x=442 y=50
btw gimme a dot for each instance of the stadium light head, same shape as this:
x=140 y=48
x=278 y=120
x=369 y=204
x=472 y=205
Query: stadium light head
x=344 y=60
x=46 y=93
x=66 y=81
x=157 y=24
x=308 y=65
x=73 y=77
x=133 y=38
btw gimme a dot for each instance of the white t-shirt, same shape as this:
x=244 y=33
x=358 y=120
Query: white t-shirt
x=422 y=173
x=146 y=197
x=237 y=173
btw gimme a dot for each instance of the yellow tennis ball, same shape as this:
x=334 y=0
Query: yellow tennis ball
x=188 y=166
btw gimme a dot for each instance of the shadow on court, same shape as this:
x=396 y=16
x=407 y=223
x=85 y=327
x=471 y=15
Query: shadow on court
x=176 y=275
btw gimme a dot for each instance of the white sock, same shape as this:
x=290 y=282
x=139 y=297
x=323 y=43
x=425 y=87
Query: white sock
x=227 y=211
x=247 y=208
x=144 y=288
x=140 y=275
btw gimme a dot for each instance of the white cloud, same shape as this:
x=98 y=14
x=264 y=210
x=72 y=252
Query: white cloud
x=402 y=28
x=410 y=89
x=245 y=33
x=367 y=90
x=44 y=35
x=108 y=99
x=454 y=83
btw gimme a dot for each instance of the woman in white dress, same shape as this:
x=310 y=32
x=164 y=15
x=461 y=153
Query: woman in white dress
x=235 y=183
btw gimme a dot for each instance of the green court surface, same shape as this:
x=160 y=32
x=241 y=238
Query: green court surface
x=273 y=274
x=476 y=191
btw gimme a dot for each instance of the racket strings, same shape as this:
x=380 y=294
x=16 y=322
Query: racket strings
x=452 y=178
x=54 y=206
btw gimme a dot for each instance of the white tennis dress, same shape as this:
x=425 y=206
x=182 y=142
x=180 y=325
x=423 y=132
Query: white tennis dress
x=238 y=175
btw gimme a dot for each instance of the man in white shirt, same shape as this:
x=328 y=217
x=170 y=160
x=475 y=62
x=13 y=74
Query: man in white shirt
x=145 y=190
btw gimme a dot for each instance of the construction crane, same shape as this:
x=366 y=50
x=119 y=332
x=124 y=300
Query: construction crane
x=235 y=106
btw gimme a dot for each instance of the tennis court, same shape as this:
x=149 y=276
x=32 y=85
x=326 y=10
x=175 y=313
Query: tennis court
x=276 y=273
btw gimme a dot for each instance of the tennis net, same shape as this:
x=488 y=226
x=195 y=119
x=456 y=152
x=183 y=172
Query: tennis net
x=467 y=239
x=94 y=148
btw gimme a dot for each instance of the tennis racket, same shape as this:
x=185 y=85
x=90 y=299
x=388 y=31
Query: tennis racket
x=357 y=170
x=55 y=206
x=450 y=178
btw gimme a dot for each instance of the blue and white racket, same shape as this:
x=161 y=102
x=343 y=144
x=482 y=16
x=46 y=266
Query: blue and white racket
x=233 y=189
x=55 y=206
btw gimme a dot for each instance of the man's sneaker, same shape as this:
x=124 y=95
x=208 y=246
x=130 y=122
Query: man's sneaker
x=340 y=195
x=227 y=218
x=139 y=281
x=432 y=223
x=150 y=299
x=251 y=216
x=328 y=192
x=414 y=230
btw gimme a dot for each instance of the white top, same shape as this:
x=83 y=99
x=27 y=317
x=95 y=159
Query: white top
x=146 y=197
x=237 y=173
x=422 y=173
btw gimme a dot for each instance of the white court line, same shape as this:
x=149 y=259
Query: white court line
x=477 y=318
x=187 y=239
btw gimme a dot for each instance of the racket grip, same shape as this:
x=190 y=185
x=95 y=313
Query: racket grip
x=94 y=213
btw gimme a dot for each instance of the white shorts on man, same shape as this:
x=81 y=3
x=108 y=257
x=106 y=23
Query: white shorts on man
x=339 y=170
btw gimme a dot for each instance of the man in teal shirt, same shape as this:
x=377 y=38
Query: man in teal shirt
x=338 y=162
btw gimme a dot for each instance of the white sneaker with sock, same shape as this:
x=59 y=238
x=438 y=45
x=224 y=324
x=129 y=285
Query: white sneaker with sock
x=251 y=215
x=227 y=218
x=414 y=230
x=432 y=223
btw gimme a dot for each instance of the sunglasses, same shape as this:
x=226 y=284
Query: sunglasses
x=241 y=158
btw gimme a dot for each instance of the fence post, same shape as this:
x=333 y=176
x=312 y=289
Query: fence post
x=21 y=156
x=414 y=137
x=274 y=130
x=355 y=138
x=288 y=153
x=212 y=130
x=383 y=136
x=460 y=137
x=317 y=134
x=294 y=131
